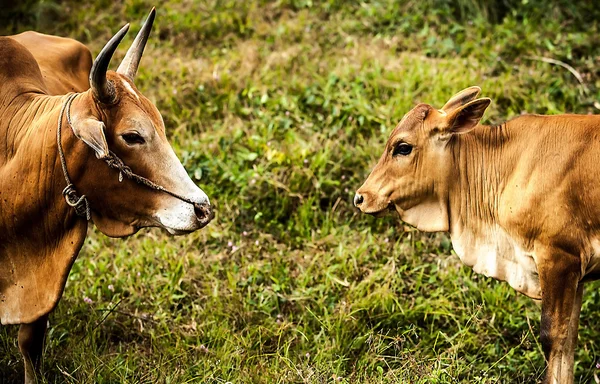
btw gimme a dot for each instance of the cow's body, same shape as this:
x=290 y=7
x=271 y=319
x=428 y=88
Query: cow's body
x=108 y=120
x=521 y=202
x=32 y=271
x=64 y=63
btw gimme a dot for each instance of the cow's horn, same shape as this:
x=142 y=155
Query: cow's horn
x=102 y=89
x=130 y=63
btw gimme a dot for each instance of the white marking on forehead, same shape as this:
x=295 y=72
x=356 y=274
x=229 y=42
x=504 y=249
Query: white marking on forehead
x=130 y=89
x=442 y=112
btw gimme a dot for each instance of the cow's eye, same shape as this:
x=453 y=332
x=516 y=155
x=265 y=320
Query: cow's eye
x=403 y=149
x=133 y=138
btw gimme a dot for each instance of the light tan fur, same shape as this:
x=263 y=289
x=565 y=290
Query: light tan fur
x=520 y=201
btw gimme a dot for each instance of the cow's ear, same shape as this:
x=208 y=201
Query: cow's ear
x=461 y=98
x=91 y=132
x=465 y=118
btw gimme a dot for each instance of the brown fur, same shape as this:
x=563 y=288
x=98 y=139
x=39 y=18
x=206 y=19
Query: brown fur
x=65 y=63
x=40 y=235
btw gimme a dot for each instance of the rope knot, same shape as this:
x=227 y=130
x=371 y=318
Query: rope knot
x=79 y=203
x=115 y=162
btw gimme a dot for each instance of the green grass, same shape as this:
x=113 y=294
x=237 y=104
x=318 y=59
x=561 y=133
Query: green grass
x=279 y=110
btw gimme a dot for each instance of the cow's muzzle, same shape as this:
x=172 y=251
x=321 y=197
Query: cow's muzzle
x=204 y=213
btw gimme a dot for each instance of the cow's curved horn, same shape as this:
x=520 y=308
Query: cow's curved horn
x=102 y=89
x=130 y=63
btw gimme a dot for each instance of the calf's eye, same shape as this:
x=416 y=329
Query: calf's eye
x=133 y=138
x=402 y=149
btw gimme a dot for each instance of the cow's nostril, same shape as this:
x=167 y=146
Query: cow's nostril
x=203 y=212
x=358 y=200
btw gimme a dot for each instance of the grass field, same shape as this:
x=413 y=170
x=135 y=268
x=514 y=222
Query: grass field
x=279 y=110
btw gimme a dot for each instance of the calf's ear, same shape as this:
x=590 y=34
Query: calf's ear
x=91 y=132
x=466 y=117
x=461 y=98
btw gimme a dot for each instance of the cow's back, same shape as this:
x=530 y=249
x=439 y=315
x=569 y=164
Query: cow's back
x=65 y=63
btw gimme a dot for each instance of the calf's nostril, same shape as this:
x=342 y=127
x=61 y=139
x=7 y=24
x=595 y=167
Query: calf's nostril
x=203 y=211
x=358 y=200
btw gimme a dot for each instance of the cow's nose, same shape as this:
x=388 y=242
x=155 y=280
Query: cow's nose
x=358 y=199
x=203 y=212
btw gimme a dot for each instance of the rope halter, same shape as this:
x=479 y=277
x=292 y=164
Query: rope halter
x=80 y=203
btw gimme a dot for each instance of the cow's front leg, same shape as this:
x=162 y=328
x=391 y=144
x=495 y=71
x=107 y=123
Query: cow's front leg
x=568 y=360
x=31 y=343
x=559 y=279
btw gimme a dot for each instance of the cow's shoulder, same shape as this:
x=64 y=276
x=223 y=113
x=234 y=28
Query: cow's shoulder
x=68 y=52
x=65 y=63
x=550 y=165
x=19 y=71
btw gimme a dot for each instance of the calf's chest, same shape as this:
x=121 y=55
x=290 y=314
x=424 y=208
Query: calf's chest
x=493 y=253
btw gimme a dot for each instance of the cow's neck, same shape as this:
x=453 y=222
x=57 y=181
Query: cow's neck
x=40 y=235
x=31 y=165
x=483 y=161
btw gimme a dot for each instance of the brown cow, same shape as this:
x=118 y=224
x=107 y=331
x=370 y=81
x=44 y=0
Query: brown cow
x=60 y=166
x=520 y=201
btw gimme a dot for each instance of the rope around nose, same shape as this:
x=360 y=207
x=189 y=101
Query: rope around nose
x=80 y=203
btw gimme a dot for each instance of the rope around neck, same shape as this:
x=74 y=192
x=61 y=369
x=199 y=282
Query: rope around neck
x=80 y=203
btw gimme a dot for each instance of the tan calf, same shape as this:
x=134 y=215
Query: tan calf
x=521 y=201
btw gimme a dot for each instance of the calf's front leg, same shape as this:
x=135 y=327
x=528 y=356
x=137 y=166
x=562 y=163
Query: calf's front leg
x=568 y=360
x=561 y=302
x=31 y=344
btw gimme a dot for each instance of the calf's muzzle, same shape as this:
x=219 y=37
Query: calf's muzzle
x=358 y=199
